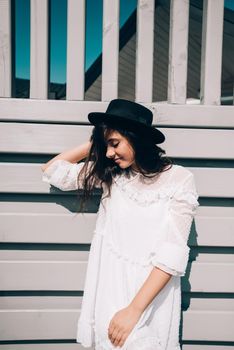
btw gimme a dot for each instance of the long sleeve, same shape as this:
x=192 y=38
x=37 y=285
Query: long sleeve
x=64 y=175
x=173 y=252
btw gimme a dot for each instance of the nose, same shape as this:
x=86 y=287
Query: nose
x=110 y=153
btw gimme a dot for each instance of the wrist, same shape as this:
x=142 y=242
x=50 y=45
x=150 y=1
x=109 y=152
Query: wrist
x=86 y=148
x=136 y=307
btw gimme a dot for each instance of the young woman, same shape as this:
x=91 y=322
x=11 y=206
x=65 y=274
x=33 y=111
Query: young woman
x=139 y=251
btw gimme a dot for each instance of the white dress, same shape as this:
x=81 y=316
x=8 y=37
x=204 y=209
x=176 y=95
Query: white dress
x=145 y=223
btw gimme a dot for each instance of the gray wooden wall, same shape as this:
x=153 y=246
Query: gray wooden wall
x=45 y=245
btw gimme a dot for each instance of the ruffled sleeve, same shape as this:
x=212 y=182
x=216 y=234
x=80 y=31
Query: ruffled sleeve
x=172 y=250
x=64 y=175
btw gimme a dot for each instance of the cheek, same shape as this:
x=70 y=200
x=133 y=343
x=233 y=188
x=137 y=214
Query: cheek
x=129 y=154
x=126 y=151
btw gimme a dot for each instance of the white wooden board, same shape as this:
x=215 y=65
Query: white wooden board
x=70 y=275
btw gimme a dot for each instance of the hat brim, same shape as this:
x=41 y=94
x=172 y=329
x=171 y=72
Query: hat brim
x=96 y=118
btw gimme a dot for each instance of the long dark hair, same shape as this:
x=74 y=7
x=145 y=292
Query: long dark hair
x=100 y=169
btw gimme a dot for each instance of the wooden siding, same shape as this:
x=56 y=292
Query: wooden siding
x=36 y=240
x=44 y=243
x=75 y=49
x=5 y=51
x=195 y=51
x=39 y=50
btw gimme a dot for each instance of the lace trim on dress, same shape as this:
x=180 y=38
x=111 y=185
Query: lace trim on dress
x=167 y=269
x=88 y=335
x=143 y=342
x=189 y=196
x=139 y=341
x=144 y=262
x=169 y=257
x=146 y=197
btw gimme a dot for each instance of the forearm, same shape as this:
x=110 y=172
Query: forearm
x=73 y=155
x=156 y=280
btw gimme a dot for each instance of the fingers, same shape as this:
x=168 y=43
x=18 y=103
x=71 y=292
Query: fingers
x=117 y=337
x=122 y=339
x=113 y=332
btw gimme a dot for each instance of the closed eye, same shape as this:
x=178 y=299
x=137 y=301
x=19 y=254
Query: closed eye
x=114 y=145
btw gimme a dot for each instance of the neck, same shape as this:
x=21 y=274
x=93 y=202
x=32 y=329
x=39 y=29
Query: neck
x=134 y=168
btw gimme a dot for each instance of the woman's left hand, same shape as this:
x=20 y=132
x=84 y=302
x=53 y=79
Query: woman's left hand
x=122 y=323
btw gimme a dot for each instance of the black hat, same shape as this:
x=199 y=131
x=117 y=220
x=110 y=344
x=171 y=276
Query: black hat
x=129 y=114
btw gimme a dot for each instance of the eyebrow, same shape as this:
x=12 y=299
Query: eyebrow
x=111 y=139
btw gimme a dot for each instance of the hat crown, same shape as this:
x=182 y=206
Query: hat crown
x=130 y=115
x=130 y=110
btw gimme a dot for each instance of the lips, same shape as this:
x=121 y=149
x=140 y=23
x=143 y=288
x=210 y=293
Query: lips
x=117 y=159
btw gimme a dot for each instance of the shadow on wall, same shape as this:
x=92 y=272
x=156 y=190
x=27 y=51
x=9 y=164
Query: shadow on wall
x=71 y=201
x=185 y=283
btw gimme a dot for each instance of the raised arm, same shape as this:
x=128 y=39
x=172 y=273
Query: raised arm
x=72 y=155
x=62 y=170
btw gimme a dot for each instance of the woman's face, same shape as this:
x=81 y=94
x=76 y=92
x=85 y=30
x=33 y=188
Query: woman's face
x=120 y=150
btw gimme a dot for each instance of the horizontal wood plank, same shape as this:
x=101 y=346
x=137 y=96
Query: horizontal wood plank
x=35 y=313
x=72 y=346
x=214 y=225
x=221 y=325
x=29 y=180
x=35 y=138
x=76 y=346
x=39 y=312
x=62 y=323
x=70 y=275
x=18 y=109
x=69 y=255
x=47 y=228
x=47 y=139
x=74 y=302
x=47 y=346
x=206 y=347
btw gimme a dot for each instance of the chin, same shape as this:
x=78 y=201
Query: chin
x=124 y=166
